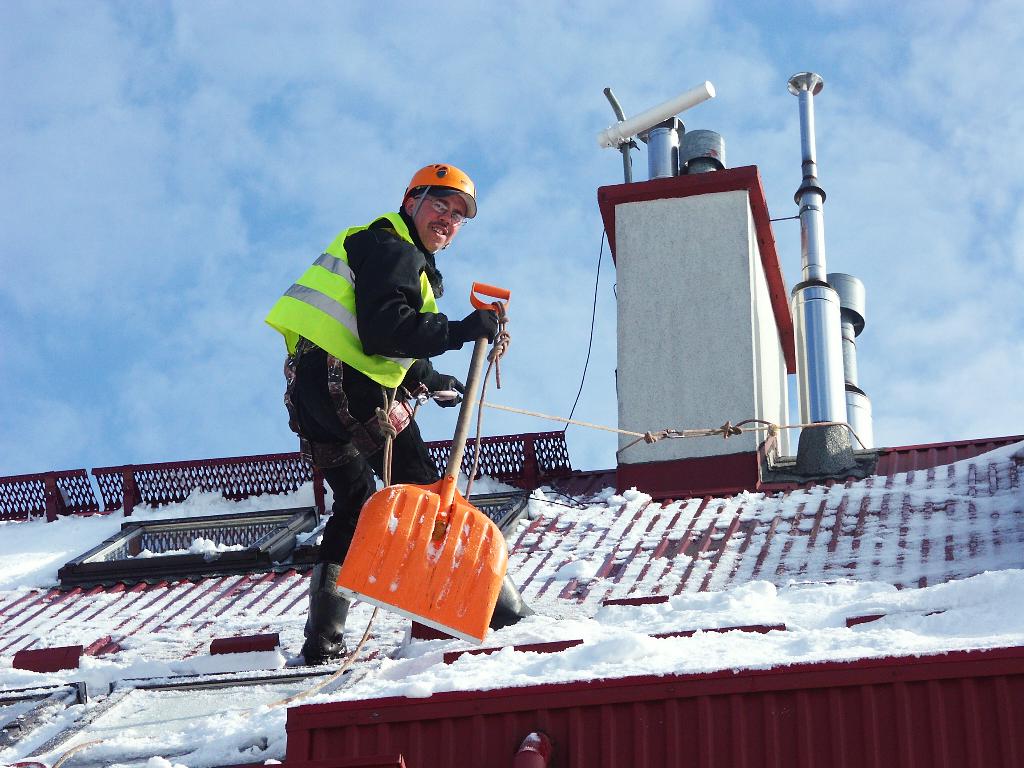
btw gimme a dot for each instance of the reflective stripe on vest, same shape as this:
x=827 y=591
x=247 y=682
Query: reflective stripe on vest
x=337 y=266
x=321 y=307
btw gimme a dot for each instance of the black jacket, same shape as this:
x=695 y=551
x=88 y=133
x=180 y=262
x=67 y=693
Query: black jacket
x=388 y=300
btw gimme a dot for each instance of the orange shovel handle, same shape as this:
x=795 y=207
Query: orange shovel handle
x=502 y=294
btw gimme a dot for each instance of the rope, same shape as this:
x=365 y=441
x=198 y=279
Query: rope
x=390 y=433
x=727 y=430
x=74 y=750
x=388 y=429
x=349 y=661
x=576 y=503
x=502 y=341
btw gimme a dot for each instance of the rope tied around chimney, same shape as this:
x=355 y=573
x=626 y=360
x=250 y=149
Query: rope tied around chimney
x=726 y=430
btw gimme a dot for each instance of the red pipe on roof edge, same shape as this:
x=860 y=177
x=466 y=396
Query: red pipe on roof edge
x=534 y=752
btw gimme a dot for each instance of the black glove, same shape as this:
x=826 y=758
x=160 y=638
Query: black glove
x=479 y=322
x=453 y=385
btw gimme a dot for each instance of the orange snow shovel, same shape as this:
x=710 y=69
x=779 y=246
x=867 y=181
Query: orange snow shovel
x=423 y=550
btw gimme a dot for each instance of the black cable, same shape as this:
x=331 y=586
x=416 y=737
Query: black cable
x=593 y=318
x=785 y=218
x=578 y=504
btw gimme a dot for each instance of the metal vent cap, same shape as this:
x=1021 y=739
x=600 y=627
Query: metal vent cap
x=702 y=151
x=851 y=298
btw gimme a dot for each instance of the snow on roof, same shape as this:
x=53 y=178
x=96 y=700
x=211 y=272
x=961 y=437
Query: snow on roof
x=933 y=557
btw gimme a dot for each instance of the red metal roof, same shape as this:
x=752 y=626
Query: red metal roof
x=864 y=713
x=883 y=528
x=910 y=458
x=891 y=461
x=50 y=617
x=956 y=709
x=705 y=544
x=932 y=526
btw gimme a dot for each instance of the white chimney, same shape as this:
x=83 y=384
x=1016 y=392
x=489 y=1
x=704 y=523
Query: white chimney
x=705 y=333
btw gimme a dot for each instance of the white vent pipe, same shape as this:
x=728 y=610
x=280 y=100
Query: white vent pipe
x=621 y=132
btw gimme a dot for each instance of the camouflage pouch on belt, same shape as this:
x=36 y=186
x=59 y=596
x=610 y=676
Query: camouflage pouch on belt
x=367 y=436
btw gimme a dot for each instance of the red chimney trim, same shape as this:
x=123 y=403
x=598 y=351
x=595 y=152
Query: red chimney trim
x=728 y=180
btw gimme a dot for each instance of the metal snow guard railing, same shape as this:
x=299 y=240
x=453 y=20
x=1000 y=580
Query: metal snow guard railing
x=237 y=477
x=67 y=492
x=525 y=460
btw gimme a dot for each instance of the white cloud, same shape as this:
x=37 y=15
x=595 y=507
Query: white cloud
x=169 y=171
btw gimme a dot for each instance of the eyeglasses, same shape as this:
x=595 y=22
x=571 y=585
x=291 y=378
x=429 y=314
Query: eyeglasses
x=442 y=208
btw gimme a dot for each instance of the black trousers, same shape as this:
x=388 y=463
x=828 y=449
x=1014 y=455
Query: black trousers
x=315 y=411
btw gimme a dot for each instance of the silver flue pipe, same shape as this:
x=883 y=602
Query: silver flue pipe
x=810 y=197
x=816 y=306
x=662 y=142
x=852 y=309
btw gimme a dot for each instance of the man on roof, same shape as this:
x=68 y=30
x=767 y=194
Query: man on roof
x=361 y=320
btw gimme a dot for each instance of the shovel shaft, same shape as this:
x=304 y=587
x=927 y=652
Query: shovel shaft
x=469 y=398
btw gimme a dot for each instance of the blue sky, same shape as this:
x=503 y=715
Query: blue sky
x=170 y=168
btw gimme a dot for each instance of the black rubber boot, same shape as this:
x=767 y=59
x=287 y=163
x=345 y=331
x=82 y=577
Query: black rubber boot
x=510 y=607
x=325 y=623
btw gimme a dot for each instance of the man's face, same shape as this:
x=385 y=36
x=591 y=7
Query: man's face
x=433 y=220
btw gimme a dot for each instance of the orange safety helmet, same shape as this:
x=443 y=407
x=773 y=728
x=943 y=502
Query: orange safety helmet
x=443 y=175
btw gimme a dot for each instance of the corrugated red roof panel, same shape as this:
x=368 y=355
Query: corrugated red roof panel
x=910 y=458
x=891 y=527
x=820 y=533
x=162 y=608
x=891 y=461
x=922 y=528
x=955 y=709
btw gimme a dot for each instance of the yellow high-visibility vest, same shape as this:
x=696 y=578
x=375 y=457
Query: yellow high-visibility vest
x=321 y=306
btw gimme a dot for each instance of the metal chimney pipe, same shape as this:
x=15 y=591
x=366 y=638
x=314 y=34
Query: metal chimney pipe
x=810 y=197
x=851 y=306
x=702 y=152
x=858 y=405
x=816 y=308
x=662 y=142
